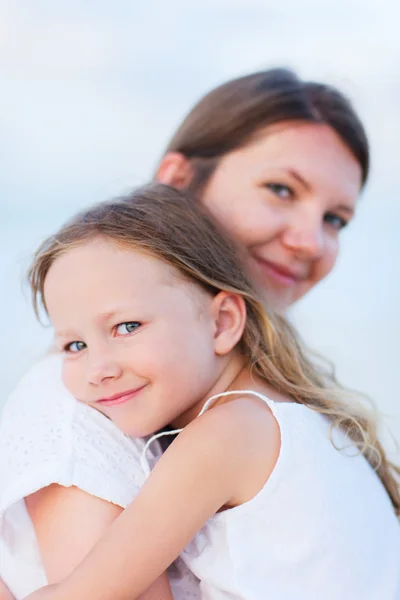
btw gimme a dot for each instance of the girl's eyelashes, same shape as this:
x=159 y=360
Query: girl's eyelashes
x=127 y=328
x=336 y=221
x=74 y=347
x=281 y=190
x=122 y=329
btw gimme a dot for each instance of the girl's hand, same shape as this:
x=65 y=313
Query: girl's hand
x=67 y=523
x=46 y=593
x=5 y=593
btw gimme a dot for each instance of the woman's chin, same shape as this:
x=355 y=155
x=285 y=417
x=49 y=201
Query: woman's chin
x=278 y=300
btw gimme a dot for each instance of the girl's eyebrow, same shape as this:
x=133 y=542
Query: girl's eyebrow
x=101 y=318
x=107 y=316
x=120 y=312
x=62 y=334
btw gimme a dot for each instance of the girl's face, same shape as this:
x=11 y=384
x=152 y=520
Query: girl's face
x=138 y=340
x=285 y=198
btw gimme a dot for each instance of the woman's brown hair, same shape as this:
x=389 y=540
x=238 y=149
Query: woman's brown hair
x=232 y=114
x=165 y=223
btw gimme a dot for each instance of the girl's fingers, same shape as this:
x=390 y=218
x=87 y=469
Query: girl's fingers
x=5 y=593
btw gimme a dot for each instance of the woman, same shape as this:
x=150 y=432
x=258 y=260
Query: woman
x=280 y=164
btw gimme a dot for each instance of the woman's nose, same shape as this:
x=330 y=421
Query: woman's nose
x=305 y=235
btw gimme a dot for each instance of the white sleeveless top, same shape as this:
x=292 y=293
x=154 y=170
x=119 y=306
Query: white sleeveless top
x=322 y=528
x=47 y=437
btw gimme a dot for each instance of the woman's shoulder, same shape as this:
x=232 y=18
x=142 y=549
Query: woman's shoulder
x=35 y=418
x=47 y=437
x=38 y=391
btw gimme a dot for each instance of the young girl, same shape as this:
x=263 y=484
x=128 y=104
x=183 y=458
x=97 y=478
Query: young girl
x=275 y=487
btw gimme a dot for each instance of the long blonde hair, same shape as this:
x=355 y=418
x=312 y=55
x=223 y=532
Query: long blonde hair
x=167 y=224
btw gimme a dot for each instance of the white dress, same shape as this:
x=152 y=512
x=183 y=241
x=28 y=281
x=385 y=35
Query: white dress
x=47 y=437
x=322 y=528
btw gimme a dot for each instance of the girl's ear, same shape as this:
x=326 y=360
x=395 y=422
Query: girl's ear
x=175 y=169
x=229 y=314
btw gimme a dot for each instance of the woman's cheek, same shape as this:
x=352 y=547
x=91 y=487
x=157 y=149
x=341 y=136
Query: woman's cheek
x=253 y=227
x=326 y=263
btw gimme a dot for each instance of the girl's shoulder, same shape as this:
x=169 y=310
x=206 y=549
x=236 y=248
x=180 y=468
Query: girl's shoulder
x=47 y=437
x=239 y=440
x=246 y=415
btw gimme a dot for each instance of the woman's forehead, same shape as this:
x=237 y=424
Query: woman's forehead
x=313 y=151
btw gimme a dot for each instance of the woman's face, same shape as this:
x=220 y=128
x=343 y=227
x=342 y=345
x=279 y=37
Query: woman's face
x=286 y=197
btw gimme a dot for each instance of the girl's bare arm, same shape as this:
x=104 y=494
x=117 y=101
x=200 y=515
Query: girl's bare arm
x=207 y=467
x=68 y=522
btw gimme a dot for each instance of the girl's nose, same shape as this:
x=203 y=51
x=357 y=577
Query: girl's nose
x=101 y=367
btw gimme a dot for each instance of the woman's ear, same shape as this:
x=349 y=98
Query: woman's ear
x=229 y=314
x=175 y=169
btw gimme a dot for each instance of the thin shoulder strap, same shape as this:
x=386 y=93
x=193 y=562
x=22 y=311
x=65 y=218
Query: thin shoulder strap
x=206 y=406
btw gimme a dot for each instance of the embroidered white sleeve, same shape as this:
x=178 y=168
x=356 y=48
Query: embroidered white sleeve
x=46 y=437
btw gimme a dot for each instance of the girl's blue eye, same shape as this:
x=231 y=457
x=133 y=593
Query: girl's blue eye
x=335 y=221
x=280 y=190
x=126 y=328
x=75 y=347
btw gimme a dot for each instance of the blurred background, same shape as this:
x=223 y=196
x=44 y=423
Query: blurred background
x=91 y=92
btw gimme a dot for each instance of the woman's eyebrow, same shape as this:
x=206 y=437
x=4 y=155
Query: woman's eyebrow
x=348 y=209
x=296 y=175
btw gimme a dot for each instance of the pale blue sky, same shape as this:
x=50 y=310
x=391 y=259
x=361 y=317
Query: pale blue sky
x=91 y=91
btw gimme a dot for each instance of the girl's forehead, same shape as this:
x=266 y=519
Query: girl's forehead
x=106 y=254
x=103 y=266
x=96 y=284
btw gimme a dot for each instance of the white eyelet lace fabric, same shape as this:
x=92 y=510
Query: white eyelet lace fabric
x=47 y=437
x=184 y=584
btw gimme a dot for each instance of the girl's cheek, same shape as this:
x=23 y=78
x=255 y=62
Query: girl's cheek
x=70 y=377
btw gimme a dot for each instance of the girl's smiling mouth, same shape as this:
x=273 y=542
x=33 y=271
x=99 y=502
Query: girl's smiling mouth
x=121 y=397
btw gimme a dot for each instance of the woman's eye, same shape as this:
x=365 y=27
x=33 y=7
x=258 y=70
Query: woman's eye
x=75 y=347
x=283 y=191
x=125 y=328
x=336 y=221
